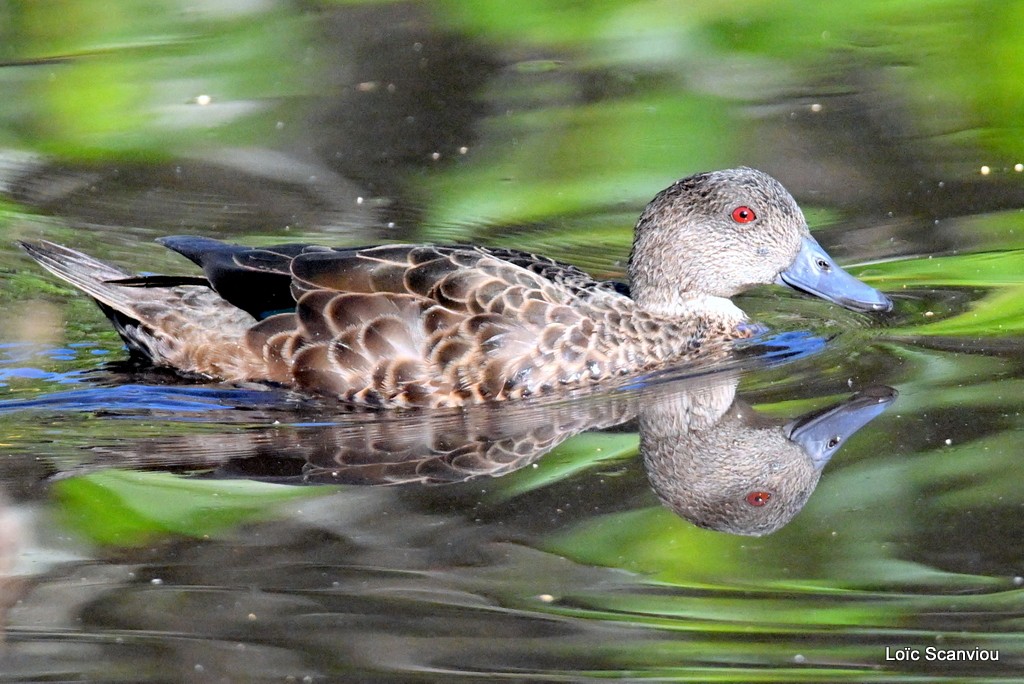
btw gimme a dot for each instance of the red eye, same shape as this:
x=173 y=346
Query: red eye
x=758 y=498
x=743 y=214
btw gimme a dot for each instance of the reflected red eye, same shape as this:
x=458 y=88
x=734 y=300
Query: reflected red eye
x=758 y=498
x=743 y=214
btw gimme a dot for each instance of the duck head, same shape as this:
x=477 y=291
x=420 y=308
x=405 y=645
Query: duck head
x=719 y=233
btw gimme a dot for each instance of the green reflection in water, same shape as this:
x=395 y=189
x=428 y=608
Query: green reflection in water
x=999 y=313
x=561 y=161
x=577 y=454
x=146 y=80
x=124 y=508
x=957 y=61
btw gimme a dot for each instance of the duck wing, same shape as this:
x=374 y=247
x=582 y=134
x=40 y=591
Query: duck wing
x=424 y=324
x=267 y=280
x=254 y=279
x=405 y=324
x=578 y=282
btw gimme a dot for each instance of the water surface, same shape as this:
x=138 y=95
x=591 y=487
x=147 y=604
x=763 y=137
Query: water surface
x=154 y=529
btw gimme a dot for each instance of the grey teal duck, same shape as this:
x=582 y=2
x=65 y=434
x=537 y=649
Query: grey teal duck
x=429 y=325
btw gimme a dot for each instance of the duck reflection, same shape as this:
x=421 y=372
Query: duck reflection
x=709 y=456
x=720 y=464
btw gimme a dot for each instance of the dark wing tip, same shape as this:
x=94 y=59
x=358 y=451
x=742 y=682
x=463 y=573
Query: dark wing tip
x=196 y=247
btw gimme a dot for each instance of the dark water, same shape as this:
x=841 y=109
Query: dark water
x=158 y=530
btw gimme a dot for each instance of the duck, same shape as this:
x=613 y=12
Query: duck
x=404 y=325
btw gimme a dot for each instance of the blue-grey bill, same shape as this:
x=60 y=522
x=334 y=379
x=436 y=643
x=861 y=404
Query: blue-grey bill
x=813 y=271
x=821 y=433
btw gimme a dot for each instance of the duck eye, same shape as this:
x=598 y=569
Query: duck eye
x=758 y=498
x=743 y=214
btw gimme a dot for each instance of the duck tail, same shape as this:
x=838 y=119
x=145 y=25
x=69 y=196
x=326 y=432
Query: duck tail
x=123 y=305
x=94 y=277
x=169 y=320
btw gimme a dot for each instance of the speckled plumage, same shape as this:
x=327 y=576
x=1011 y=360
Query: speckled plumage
x=424 y=325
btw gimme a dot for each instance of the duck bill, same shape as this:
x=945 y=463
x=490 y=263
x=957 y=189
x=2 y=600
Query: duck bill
x=814 y=272
x=821 y=433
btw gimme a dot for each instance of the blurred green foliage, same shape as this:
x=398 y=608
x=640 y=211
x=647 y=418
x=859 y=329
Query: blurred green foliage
x=129 y=80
